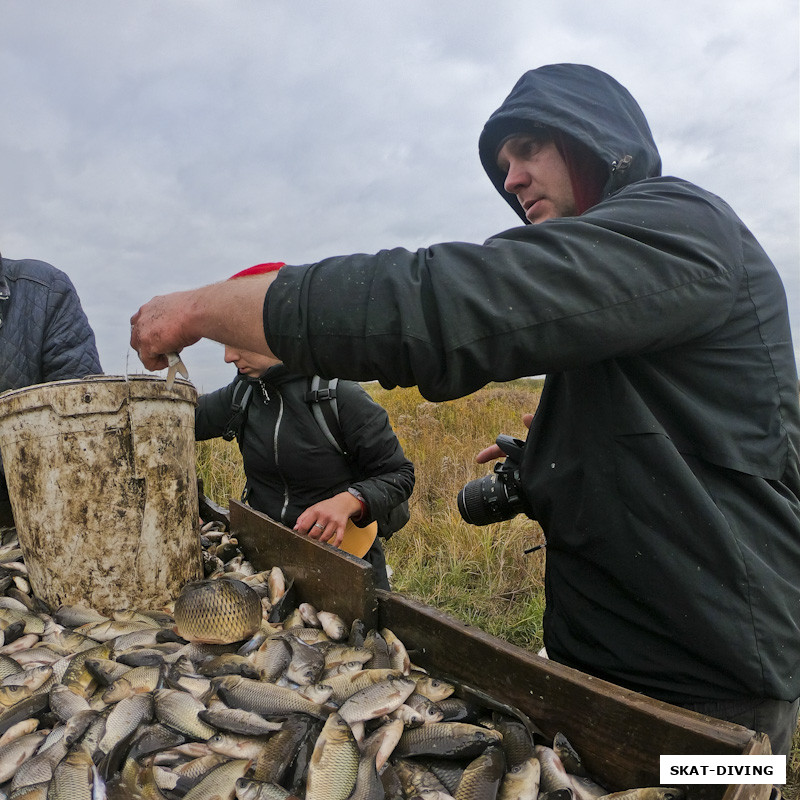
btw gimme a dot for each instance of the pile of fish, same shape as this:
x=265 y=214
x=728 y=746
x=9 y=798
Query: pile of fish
x=239 y=691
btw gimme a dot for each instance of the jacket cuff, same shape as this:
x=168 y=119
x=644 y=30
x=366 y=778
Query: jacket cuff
x=360 y=497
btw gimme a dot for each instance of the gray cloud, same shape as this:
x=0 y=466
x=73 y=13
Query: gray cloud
x=153 y=146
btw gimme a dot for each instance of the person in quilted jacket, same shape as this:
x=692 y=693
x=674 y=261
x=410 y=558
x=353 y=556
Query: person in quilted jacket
x=44 y=333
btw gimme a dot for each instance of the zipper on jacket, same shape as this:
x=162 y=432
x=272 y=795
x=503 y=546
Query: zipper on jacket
x=275 y=454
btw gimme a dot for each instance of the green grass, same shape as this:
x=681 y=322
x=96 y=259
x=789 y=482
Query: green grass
x=480 y=575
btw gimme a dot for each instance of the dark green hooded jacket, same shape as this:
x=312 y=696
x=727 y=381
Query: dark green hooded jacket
x=662 y=462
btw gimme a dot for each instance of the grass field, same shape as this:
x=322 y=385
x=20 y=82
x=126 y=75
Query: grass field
x=478 y=574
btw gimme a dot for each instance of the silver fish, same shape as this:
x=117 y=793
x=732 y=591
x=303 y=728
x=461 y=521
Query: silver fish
x=345 y=686
x=248 y=789
x=648 y=793
x=220 y=782
x=21 y=728
x=277 y=584
x=482 y=777
x=264 y=698
x=333 y=625
x=237 y=720
x=73 y=777
x=17 y=752
x=124 y=719
x=446 y=739
x=179 y=710
x=376 y=700
x=306 y=664
x=521 y=782
x=333 y=768
x=398 y=655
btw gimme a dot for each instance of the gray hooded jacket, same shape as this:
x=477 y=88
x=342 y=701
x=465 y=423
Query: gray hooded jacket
x=662 y=462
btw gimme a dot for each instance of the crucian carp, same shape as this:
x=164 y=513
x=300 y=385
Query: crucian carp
x=236 y=691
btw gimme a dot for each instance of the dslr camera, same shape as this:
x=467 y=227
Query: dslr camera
x=498 y=496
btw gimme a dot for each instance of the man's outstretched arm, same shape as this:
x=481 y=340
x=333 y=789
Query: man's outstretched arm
x=230 y=312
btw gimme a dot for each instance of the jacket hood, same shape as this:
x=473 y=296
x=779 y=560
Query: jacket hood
x=583 y=103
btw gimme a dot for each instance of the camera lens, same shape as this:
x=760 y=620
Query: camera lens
x=484 y=500
x=498 y=496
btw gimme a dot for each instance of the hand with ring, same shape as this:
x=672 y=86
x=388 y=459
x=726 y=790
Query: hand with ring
x=326 y=521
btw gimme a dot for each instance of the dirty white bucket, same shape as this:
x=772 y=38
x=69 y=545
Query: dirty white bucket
x=101 y=477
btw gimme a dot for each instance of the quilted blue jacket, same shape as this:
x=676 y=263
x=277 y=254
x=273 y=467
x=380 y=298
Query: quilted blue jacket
x=44 y=333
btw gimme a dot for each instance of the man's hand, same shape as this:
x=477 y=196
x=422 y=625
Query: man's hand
x=327 y=520
x=492 y=452
x=160 y=327
x=230 y=312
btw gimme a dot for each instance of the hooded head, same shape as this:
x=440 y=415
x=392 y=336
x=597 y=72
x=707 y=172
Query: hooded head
x=597 y=125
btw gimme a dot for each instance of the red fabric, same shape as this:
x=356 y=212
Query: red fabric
x=586 y=171
x=259 y=269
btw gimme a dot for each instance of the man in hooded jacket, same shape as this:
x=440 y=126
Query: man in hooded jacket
x=662 y=461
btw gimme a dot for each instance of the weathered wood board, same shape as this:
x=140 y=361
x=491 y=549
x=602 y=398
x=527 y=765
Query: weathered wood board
x=325 y=576
x=620 y=734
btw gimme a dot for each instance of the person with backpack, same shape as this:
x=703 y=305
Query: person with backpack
x=320 y=457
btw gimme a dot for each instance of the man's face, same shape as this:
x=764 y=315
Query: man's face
x=538 y=175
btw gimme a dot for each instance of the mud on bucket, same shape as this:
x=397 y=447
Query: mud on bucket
x=101 y=478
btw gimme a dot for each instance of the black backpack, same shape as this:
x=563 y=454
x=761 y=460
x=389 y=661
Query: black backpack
x=321 y=397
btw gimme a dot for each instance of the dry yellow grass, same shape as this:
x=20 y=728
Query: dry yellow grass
x=479 y=575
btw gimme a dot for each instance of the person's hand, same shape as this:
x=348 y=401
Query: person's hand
x=492 y=452
x=160 y=327
x=229 y=312
x=327 y=520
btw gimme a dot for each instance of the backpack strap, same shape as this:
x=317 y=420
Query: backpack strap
x=321 y=396
x=242 y=393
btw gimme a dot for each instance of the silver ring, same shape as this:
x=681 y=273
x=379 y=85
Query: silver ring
x=317 y=525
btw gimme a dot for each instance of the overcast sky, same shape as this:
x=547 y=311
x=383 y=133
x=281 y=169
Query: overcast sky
x=154 y=145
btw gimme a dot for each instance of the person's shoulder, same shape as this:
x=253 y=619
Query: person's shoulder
x=667 y=185
x=35 y=270
x=355 y=399
x=663 y=198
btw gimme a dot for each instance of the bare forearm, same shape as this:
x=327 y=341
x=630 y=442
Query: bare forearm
x=230 y=312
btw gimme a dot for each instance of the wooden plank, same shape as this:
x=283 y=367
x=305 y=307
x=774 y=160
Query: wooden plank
x=210 y=511
x=741 y=791
x=325 y=576
x=620 y=734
